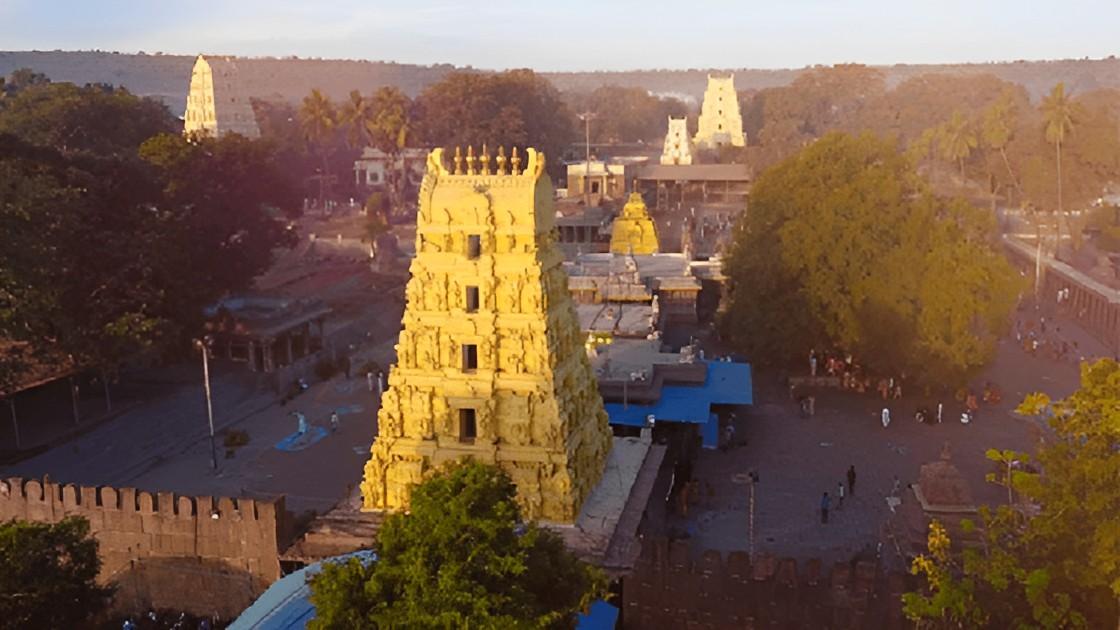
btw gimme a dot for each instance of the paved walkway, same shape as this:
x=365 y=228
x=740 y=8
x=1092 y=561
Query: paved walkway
x=798 y=459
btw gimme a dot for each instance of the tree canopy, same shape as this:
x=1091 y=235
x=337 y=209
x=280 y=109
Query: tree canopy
x=48 y=575
x=461 y=557
x=844 y=245
x=512 y=108
x=626 y=114
x=1057 y=563
x=112 y=250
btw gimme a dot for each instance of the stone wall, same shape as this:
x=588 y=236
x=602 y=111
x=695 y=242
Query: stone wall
x=669 y=590
x=198 y=554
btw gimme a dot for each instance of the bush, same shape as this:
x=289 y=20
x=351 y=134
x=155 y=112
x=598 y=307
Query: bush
x=1109 y=239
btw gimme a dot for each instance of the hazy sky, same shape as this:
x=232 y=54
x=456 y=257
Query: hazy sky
x=578 y=34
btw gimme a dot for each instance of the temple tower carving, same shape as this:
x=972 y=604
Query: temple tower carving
x=633 y=231
x=216 y=102
x=720 y=123
x=490 y=361
x=678 y=145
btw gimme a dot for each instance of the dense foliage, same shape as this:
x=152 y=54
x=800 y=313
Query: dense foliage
x=461 y=557
x=114 y=239
x=513 y=108
x=1061 y=567
x=626 y=114
x=48 y=575
x=973 y=132
x=844 y=246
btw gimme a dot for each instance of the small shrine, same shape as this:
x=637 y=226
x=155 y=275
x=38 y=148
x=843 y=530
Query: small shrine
x=633 y=231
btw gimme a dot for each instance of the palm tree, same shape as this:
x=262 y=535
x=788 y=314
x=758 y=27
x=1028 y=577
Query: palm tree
x=318 y=120
x=389 y=128
x=355 y=115
x=957 y=140
x=1059 y=113
x=998 y=129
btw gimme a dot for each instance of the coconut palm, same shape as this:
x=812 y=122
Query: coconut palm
x=1059 y=113
x=318 y=121
x=354 y=116
x=389 y=128
x=957 y=140
x=998 y=129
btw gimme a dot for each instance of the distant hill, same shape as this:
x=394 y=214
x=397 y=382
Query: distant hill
x=167 y=76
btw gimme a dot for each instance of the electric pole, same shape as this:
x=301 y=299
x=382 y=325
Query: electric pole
x=587 y=117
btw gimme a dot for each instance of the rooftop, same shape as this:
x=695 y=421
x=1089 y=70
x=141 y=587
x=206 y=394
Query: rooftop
x=696 y=172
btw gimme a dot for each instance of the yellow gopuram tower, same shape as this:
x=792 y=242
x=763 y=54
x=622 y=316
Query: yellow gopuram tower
x=490 y=361
x=634 y=232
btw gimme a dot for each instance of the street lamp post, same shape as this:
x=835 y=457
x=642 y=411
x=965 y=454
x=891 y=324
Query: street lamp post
x=204 y=346
x=587 y=117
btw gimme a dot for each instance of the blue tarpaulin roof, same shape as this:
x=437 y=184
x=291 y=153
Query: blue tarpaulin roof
x=726 y=383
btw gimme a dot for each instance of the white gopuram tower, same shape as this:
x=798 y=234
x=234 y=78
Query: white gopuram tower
x=720 y=122
x=678 y=146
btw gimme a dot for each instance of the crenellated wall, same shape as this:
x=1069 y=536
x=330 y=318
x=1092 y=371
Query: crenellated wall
x=198 y=554
x=668 y=589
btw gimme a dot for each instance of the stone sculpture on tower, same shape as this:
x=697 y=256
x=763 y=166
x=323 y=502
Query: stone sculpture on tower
x=490 y=360
x=720 y=123
x=678 y=145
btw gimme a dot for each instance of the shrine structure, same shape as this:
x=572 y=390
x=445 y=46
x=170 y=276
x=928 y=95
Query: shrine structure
x=720 y=123
x=678 y=146
x=490 y=361
x=633 y=231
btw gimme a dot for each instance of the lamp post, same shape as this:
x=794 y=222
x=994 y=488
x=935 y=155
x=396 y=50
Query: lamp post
x=204 y=346
x=587 y=117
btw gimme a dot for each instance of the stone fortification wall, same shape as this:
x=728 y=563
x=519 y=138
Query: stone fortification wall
x=668 y=589
x=198 y=554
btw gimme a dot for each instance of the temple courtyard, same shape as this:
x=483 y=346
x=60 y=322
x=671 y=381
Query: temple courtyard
x=798 y=458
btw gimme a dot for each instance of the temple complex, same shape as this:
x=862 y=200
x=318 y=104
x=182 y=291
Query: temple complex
x=678 y=146
x=720 y=123
x=633 y=232
x=216 y=102
x=491 y=362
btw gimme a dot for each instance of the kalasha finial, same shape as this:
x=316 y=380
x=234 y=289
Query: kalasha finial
x=458 y=161
x=471 y=161
x=484 y=161
x=515 y=163
x=501 y=160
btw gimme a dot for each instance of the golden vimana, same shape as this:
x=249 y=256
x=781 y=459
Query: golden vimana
x=490 y=360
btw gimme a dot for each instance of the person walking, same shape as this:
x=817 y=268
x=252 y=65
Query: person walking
x=825 y=502
x=380 y=384
x=813 y=363
x=369 y=380
x=334 y=421
x=885 y=416
x=896 y=487
x=840 y=494
x=852 y=480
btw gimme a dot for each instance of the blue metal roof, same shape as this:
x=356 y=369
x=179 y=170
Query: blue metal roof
x=726 y=383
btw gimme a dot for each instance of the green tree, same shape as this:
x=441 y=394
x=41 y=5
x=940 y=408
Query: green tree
x=1060 y=115
x=1054 y=561
x=48 y=576
x=318 y=121
x=844 y=245
x=998 y=129
x=512 y=108
x=389 y=128
x=626 y=114
x=97 y=119
x=461 y=557
x=957 y=140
